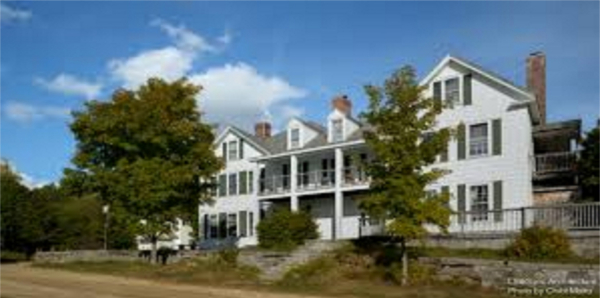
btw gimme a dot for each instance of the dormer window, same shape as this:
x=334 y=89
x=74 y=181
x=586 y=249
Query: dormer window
x=295 y=138
x=337 y=130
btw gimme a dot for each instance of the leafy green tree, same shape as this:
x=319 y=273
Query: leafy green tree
x=589 y=166
x=405 y=142
x=15 y=211
x=148 y=152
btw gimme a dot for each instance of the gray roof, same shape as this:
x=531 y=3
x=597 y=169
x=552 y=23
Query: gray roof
x=489 y=72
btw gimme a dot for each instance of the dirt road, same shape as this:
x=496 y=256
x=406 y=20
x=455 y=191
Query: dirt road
x=22 y=281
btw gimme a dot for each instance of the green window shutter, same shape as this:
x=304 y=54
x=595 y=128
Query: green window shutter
x=446 y=190
x=462 y=204
x=241 y=150
x=243 y=224
x=250 y=182
x=243 y=182
x=437 y=93
x=497 y=136
x=467 y=90
x=461 y=142
x=222 y=185
x=224 y=147
x=498 y=200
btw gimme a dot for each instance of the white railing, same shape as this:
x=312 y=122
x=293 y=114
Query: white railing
x=276 y=184
x=555 y=162
x=568 y=217
x=313 y=180
x=355 y=176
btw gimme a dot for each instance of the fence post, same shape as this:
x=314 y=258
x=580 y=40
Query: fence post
x=523 y=216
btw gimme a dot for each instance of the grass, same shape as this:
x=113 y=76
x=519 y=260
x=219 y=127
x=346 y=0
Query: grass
x=349 y=272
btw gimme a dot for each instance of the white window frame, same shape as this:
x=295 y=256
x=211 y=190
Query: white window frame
x=333 y=130
x=442 y=82
x=468 y=139
x=232 y=148
x=299 y=143
x=485 y=216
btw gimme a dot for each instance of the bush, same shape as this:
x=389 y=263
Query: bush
x=285 y=230
x=540 y=243
x=229 y=255
x=12 y=257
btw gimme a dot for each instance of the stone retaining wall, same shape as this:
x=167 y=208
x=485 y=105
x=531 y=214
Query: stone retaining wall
x=583 y=243
x=519 y=277
x=107 y=255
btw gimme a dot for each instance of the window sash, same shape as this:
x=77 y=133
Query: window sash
x=233 y=150
x=295 y=138
x=337 y=130
x=452 y=90
x=478 y=140
x=479 y=202
x=233 y=184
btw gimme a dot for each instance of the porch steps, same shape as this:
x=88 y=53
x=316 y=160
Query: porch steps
x=274 y=265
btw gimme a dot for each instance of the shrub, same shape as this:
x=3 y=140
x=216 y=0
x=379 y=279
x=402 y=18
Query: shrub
x=540 y=243
x=12 y=257
x=229 y=255
x=285 y=230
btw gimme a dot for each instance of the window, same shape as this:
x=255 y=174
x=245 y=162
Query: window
x=251 y=223
x=243 y=224
x=233 y=150
x=232 y=225
x=478 y=139
x=479 y=202
x=295 y=138
x=452 y=93
x=222 y=225
x=337 y=130
x=430 y=193
x=233 y=184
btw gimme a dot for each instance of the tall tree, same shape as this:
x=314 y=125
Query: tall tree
x=405 y=141
x=589 y=168
x=15 y=209
x=148 y=154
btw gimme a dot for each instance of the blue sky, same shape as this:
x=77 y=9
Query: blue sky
x=267 y=60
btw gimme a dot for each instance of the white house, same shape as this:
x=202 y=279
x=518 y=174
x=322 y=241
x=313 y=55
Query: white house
x=310 y=166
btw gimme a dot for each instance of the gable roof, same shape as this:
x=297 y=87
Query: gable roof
x=479 y=70
x=253 y=140
x=527 y=97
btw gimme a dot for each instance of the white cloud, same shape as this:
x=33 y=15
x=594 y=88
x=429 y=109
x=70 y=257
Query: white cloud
x=9 y=14
x=25 y=113
x=185 y=39
x=27 y=180
x=70 y=85
x=226 y=38
x=238 y=93
x=170 y=63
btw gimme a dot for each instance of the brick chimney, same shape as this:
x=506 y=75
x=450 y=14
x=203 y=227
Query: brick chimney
x=262 y=130
x=342 y=104
x=536 y=81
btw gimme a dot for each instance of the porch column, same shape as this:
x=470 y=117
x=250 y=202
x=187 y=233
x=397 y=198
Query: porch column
x=293 y=182
x=339 y=196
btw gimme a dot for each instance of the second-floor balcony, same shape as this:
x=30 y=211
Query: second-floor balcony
x=555 y=163
x=312 y=180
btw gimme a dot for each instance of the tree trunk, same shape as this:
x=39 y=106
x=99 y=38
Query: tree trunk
x=404 y=263
x=153 y=258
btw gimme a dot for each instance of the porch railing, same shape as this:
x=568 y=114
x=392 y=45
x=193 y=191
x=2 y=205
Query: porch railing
x=316 y=180
x=275 y=184
x=355 y=176
x=568 y=217
x=555 y=162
